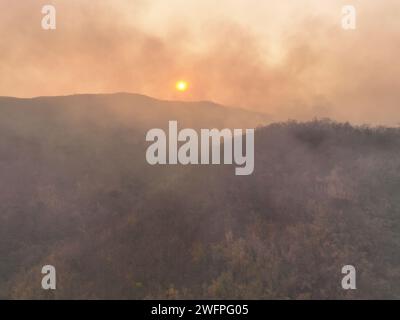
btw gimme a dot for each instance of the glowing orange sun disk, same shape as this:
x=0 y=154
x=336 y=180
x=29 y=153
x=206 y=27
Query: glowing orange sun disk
x=181 y=85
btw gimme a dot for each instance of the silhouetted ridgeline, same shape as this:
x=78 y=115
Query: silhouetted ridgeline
x=76 y=192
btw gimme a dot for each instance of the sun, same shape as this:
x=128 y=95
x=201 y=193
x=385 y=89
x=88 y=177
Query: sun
x=181 y=85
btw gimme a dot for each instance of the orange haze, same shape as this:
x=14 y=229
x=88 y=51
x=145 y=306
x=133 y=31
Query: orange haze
x=289 y=59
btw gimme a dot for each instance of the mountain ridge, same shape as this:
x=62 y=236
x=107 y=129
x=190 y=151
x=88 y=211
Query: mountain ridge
x=134 y=95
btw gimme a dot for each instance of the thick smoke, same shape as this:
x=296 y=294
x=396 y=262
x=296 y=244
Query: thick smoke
x=306 y=65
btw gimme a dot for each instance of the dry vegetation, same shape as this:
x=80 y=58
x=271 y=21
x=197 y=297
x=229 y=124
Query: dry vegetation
x=77 y=193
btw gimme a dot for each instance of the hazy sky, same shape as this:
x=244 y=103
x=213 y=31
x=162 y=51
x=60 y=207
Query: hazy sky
x=287 y=58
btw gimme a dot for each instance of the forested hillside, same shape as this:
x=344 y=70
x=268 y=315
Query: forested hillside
x=76 y=192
